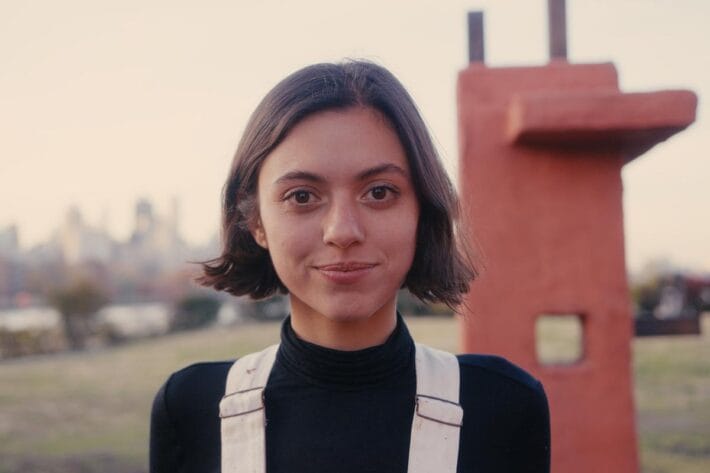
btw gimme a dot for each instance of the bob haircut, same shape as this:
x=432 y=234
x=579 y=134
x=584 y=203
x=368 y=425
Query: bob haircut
x=440 y=271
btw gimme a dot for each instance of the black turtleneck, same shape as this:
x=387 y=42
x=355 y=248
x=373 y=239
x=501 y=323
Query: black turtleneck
x=351 y=411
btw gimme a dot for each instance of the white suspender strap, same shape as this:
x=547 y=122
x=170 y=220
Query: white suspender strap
x=434 y=443
x=242 y=413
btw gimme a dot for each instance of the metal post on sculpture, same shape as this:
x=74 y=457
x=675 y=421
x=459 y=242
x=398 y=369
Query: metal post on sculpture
x=541 y=153
x=557 y=25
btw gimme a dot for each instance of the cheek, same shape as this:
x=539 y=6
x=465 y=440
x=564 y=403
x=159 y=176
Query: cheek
x=400 y=236
x=290 y=246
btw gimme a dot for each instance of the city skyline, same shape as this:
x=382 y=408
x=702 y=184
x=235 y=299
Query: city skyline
x=105 y=104
x=101 y=221
x=155 y=236
x=154 y=263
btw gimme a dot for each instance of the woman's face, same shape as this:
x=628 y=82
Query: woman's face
x=338 y=215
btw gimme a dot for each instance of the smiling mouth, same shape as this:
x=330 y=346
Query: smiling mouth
x=345 y=267
x=345 y=273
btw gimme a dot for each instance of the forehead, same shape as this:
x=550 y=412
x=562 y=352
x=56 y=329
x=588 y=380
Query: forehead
x=337 y=144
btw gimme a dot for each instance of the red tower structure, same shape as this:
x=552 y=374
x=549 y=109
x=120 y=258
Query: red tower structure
x=541 y=152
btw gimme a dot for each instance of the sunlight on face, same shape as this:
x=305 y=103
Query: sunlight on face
x=338 y=214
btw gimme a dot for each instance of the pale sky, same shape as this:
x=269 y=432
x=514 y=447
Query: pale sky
x=102 y=103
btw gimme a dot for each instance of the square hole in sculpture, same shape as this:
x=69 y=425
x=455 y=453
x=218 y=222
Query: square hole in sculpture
x=559 y=339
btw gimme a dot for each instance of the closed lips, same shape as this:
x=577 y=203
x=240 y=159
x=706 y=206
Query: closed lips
x=346 y=267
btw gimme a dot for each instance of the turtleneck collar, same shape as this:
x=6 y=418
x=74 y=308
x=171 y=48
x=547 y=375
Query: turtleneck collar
x=349 y=370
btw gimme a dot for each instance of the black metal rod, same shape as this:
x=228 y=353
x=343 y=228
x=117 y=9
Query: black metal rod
x=557 y=24
x=476 y=50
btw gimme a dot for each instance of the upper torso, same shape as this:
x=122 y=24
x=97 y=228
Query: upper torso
x=352 y=412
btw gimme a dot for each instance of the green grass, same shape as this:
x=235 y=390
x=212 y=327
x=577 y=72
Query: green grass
x=672 y=393
x=90 y=411
x=99 y=403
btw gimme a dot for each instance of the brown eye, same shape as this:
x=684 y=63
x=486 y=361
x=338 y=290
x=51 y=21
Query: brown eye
x=301 y=197
x=379 y=193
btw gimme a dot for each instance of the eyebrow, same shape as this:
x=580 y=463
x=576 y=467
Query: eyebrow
x=300 y=176
x=382 y=169
x=363 y=175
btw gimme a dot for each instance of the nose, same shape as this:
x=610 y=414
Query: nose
x=342 y=226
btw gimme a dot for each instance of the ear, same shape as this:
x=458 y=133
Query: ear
x=258 y=233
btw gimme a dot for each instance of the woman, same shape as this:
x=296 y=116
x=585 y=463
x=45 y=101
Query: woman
x=337 y=197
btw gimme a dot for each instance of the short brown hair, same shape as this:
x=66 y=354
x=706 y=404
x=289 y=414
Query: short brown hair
x=440 y=271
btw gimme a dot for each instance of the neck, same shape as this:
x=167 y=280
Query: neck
x=347 y=334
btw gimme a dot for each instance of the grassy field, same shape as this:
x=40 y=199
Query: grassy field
x=672 y=393
x=90 y=412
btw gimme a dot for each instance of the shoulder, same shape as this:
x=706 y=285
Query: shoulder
x=196 y=387
x=493 y=386
x=497 y=368
x=185 y=419
x=205 y=372
x=506 y=416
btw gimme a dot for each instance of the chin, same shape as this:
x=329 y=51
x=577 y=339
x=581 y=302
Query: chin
x=346 y=313
x=350 y=309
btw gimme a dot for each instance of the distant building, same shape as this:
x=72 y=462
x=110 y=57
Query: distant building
x=9 y=241
x=145 y=222
x=155 y=242
x=81 y=243
x=12 y=275
x=150 y=265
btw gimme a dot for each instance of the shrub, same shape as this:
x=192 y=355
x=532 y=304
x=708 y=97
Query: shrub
x=195 y=311
x=78 y=304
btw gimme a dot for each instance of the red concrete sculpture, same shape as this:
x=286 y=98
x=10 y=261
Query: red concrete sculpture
x=541 y=155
